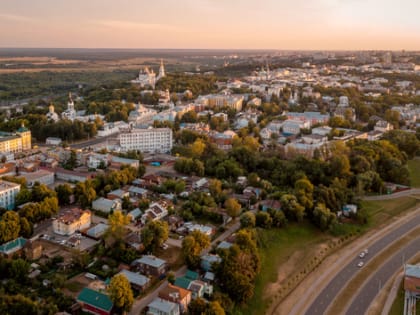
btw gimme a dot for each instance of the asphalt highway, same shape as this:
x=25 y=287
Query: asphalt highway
x=372 y=287
x=330 y=292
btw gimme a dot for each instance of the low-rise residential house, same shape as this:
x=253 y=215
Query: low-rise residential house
x=150 y=266
x=95 y=160
x=162 y=307
x=73 y=176
x=198 y=288
x=208 y=260
x=155 y=212
x=106 y=205
x=97 y=231
x=177 y=295
x=223 y=140
x=13 y=247
x=138 y=282
x=134 y=214
x=117 y=162
x=117 y=194
x=33 y=250
x=41 y=176
x=94 y=302
x=267 y=204
x=137 y=192
x=72 y=220
x=224 y=245
x=205 y=229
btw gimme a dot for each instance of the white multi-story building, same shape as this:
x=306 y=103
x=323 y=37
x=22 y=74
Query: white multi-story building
x=8 y=192
x=155 y=140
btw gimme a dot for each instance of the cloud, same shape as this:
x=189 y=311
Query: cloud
x=129 y=25
x=15 y=18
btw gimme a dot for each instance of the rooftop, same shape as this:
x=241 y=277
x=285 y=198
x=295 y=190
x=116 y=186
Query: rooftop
x=135 y=278
x=151 y=261
x=12 y=246
x=412 y=271
x=163 y=306
x=95 y=298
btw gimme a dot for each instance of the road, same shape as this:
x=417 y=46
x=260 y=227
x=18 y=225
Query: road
x=142 y=303
x=403 y=193
x=330 y=292
x=371 y=288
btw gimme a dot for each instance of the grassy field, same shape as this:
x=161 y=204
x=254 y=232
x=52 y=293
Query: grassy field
x=383 y=210
x=277 y=246
x=414 y=169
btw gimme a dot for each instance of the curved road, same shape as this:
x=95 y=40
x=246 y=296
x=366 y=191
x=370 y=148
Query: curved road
x=329 y=293
x=372 y=287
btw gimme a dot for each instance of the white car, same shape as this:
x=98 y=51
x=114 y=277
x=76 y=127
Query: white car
x=366 y=251
x=362 y=254
x=360 y=264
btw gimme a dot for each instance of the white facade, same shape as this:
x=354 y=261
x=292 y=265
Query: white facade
x=155 y=140
x=71 y=221
x=41 y=176
x=8 y=192
x=53 y=141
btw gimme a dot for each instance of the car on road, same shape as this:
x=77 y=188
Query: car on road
x=360 y=264
x=362 y=254
x=366 y=251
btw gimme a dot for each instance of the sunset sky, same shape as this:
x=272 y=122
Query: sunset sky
x=225 y=24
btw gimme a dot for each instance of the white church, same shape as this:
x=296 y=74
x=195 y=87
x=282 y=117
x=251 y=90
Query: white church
x=148 y=77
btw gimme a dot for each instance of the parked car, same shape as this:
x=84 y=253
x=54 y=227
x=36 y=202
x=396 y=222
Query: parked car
x=360 y=264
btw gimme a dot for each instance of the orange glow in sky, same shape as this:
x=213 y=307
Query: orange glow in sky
x=229 y=24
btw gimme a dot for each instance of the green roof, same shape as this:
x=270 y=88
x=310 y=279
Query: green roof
x=182 y=282
x=12 y=246
x=95 y=298
x=191 y=275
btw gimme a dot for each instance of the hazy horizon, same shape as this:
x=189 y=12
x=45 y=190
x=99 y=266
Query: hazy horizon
x=212 y=24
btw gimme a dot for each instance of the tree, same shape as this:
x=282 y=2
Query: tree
x=19 y=270
x=120 y=293
x=85 y=193
x=26 y=228
x=303 y=192
x=248 y=220
x=233 y=207
x=197 y=307
x=80 y=258
x=197 y=148
x=41 y=191
x=117 y=222
x=154 y=234
x=215 y=188
x=323 y=217
x=192 y=246
x=64 y=191
x=214 y=308
x=9 y=226
x=291 y=207
x=263 y=219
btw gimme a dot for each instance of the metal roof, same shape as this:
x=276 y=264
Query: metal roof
x=135 y=278
x=412 y=271
x=95 y=298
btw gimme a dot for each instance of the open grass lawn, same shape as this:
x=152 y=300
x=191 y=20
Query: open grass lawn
x=382 y=210
x=277 y=246
x=414 y=169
